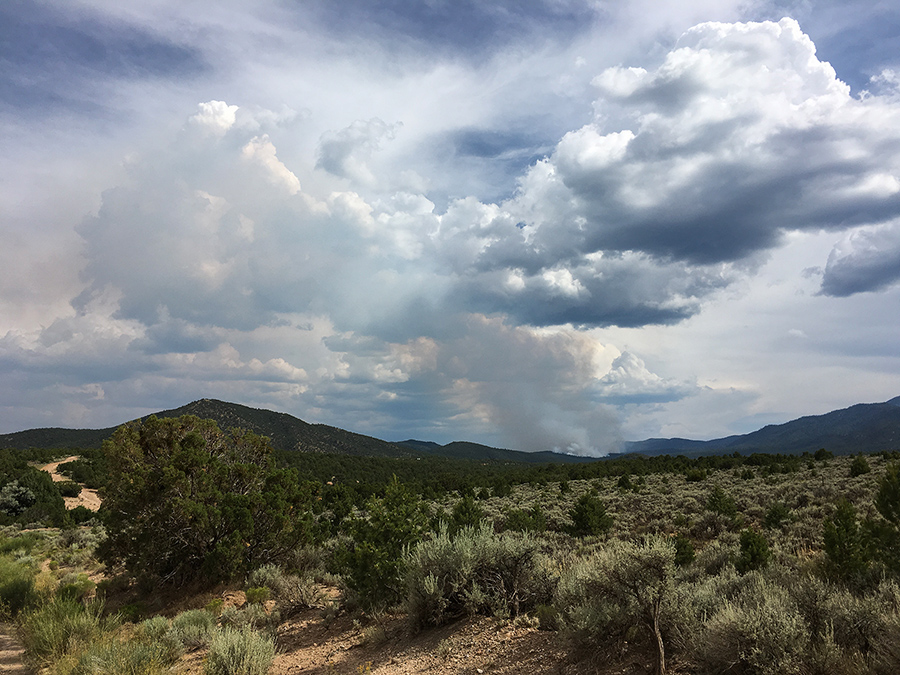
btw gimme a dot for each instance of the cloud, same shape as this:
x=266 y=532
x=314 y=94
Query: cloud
x=867 y=259
x=629 y=381
x=345 y=153
x=469 y=273
x=688 y=173
x=53 y=55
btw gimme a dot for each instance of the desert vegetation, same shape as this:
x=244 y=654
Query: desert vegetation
x=730 y=564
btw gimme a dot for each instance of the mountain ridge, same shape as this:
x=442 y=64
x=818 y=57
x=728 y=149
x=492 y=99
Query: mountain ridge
x=858 y=428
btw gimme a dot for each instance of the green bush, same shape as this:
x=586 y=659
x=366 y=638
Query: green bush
x=133 y=657
x=760 y=632
x=755 y=552
x=22 y=542
x=81 y=514
x=63 y=626
x=16 y=588
x=475 y=572
x=466 y=513
x=193 y=628
x=68 y=488
x=258 y=595
x=220 y=492
x=859 y=466
x=846 y=552
x=75 y=586
x=373 y=562
x=720 y=502
x=776 y=514
x=589 y=517
x=684 y=550
x=239 y=652
x=625 y=586
x=520 y=520
x=152 y=629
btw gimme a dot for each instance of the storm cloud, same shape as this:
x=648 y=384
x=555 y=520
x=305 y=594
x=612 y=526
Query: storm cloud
x=400 y=247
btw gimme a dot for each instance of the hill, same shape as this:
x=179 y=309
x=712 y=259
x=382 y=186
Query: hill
x=865 y=427
x=478 y=452
x=285 y=432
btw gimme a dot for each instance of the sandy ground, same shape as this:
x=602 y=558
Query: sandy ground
x=310 y=644
x=88 y=498
x=11 y=653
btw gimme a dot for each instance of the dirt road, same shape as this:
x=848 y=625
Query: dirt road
x=88 y=498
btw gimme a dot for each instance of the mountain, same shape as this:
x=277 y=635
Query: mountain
x=866 y=427
x=285 y=432
x=476 y=451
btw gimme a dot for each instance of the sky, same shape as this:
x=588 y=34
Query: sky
x=535 y=224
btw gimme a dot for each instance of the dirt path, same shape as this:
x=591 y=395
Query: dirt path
x=11 y=653
x=88 y=498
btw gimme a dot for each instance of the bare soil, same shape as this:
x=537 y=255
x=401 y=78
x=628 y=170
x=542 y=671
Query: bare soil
x=11 y=653
x=315 y=643
x=88 y=498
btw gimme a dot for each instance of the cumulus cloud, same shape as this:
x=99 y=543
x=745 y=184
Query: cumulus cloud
x=629 y=381
x=251 y=255
x=867 y=259
x=346 y=153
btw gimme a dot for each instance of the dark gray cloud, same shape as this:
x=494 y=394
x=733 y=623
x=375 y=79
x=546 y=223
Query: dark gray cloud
x=67 y=55
x=866 y=260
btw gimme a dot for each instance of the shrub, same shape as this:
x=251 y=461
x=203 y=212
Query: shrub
x=475 y=572
x=776 y=514
x=258 y=595
x=17 y=590
x=466 y=513
x=126 y=658
x=721 y=503
x=63 y=626
x=193 y=628
x=373 y=563
x=684 y=550
x=75 y=586
x=81 y=514
x=846 y=556
x=152 y=629
x=250 y=616
x=760 y=632
x=695 y=475
x=589 y=516
x=885 y=534
x=625 y=483
x=239 y=652
x=623 y=587
x=520 y=520
x=68 y=488
x=754 y=553
x=295 y=594
x=859 y=466
x=187 y=502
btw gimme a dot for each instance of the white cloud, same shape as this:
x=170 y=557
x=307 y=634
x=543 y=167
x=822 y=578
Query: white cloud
x=216 y=116
x=423 y=245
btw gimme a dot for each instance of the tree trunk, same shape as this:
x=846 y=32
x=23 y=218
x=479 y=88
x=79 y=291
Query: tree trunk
x=661 y=648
